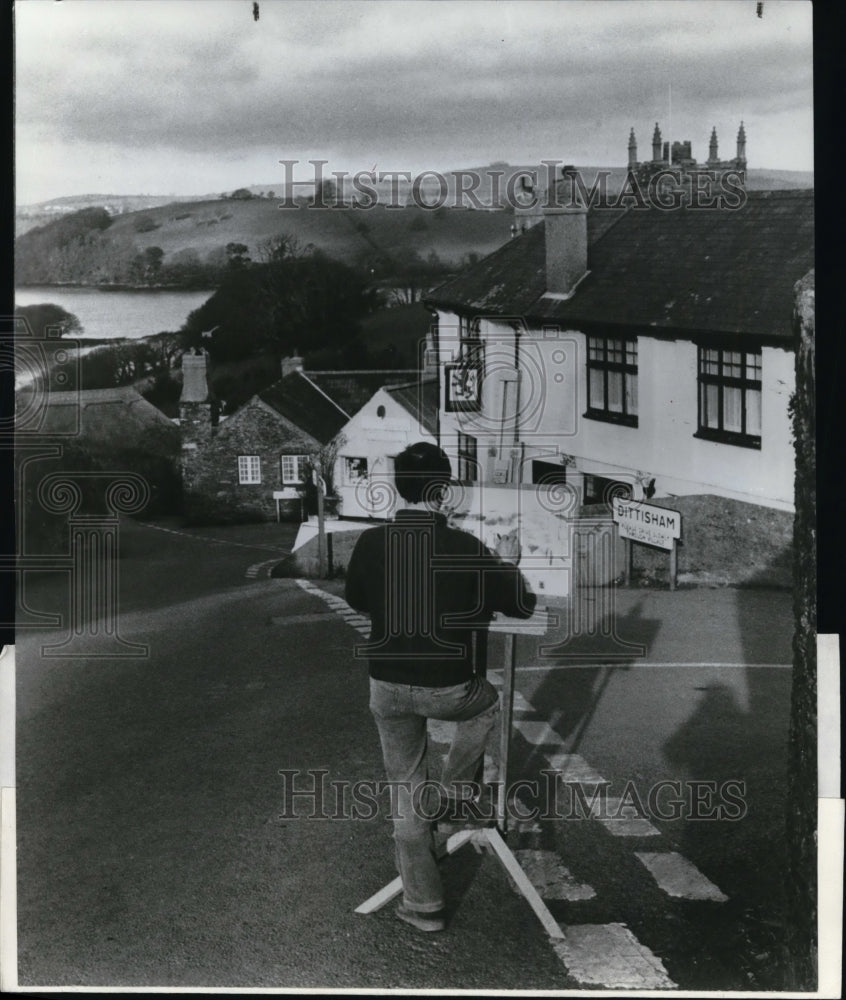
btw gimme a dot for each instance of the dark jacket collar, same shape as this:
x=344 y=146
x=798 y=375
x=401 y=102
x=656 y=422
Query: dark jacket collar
x=406 y=516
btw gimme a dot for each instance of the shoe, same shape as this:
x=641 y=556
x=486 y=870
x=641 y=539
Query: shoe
x=422 y=921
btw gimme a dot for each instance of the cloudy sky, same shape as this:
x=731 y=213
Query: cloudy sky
x=194 y=96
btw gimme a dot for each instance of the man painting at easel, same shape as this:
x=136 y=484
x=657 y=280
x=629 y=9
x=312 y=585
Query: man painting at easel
x=427 y=587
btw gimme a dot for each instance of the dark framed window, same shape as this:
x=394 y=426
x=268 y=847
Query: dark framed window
x=548 y=473
x=612 y=380
x=729 y=384
x=599 y=489
x=470 y=349
x=468 y=461
x=355 y=470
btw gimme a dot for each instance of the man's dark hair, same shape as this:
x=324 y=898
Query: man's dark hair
x=420 y=471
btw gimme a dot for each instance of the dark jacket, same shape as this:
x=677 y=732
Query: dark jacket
x=427 y=587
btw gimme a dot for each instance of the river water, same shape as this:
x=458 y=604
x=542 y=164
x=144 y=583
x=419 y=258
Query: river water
x=105 y=314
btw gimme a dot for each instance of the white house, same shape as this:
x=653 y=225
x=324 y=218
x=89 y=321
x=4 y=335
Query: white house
x=641 y=352
x=395 y=417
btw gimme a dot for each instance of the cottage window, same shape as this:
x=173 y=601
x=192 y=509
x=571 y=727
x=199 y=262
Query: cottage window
x=468 y=463
x=612 y=380
x=249 y=469
x=293 y=469
x=355 y=470
x=730 y=396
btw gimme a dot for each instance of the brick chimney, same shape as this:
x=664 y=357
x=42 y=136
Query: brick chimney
x=294 y=363
x=198 y=410
x=566 y=240
x=195 y=386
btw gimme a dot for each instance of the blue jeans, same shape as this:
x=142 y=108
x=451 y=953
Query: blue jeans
x=401 y=711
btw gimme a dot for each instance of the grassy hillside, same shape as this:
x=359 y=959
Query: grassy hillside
x=198 y=233
x=192 y=235
x=344 y=233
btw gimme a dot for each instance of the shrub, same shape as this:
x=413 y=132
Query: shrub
x=146 y=224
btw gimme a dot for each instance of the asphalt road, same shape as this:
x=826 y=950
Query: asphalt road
x=154 y=846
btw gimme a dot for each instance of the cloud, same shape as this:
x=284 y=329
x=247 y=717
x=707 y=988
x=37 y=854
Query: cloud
x=455 y=82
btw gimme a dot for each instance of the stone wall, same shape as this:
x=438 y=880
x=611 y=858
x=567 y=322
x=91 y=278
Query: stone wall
x=801 y=800
x=211 y=490
x=724 y=542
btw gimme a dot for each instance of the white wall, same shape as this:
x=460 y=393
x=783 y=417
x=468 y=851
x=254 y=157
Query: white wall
x=378 y=439
x=662 y=446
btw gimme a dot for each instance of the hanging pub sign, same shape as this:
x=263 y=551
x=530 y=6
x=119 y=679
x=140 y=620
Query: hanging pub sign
x=645 y=523
x=463 y=386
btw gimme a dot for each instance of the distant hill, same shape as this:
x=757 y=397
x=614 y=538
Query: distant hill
x=40 y=213
x=125 y=248
x=29 y=216
x=144 y=240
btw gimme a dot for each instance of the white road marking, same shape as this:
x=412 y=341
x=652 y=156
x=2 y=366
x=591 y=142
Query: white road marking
x=550 y=876
x=574 y=768
x=610 y=955
x=679 y=877
x=537 y=733
x=315 y=616
x=215 y=541
x=261 y=569
x=352 y=617
x=619 y=822
x=535 y=667
x=635 y=826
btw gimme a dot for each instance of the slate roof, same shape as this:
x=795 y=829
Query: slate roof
x=297 y=399
x=321 y=402
x=352 y=389
x=706 y=271
x=421 y=400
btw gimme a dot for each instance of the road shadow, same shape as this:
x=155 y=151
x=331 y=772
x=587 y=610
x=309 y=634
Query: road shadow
x=730 y=755
x=583 y=653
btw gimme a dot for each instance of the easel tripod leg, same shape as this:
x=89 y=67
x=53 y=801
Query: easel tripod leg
x=394 y=888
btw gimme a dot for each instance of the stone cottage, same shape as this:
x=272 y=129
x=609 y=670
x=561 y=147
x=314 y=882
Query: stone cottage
x=252 y=465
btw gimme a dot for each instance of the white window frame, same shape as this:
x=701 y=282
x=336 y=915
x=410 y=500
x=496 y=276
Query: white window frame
x=249 y=470
x=298 y=477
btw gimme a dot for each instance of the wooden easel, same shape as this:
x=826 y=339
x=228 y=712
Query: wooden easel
x=491 y=839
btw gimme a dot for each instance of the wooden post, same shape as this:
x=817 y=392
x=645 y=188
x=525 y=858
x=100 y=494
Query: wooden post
x=505 y=728
x=627 y=561
x=674 y=564
x=321 y=531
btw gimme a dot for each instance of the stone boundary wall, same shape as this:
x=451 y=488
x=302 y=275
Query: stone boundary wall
x=724 y=543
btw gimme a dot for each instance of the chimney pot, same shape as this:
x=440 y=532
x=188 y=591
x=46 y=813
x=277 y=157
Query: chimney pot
x=195 y=386
x=566 y=240
x=294 y=363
